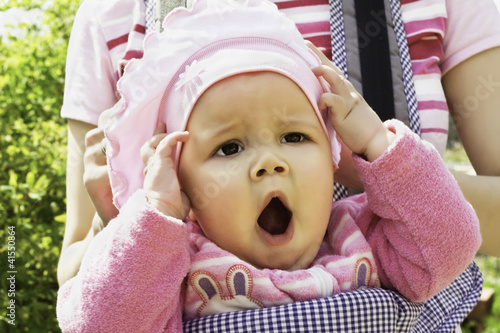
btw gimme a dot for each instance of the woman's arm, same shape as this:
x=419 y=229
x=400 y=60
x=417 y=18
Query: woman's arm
x=96 y=180
x=80 y=210
x=473 y=92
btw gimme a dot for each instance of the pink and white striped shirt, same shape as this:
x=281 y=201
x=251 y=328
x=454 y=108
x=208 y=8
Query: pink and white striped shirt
x=312 y=18
x=441 y=34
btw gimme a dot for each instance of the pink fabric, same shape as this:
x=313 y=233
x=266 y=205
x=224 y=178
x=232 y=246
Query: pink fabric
x=469 y=32
x=130 y=277
x=421 y=231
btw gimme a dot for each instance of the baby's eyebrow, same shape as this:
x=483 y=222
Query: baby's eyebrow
x=298 y=122
x=222 y=129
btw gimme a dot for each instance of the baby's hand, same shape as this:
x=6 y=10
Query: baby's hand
x=359 y=127
x=160 y=179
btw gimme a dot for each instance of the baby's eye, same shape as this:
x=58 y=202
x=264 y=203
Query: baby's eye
x=293 y=138
x=229 y=149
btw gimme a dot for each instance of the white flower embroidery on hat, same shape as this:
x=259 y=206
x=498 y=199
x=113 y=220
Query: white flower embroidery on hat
x=191 y=72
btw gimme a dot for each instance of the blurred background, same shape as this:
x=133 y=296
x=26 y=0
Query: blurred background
x=33 y=43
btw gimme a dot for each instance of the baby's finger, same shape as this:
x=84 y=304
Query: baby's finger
x=165 y=147
x=163 y=150
x=324 y=60
x=148 y=149
x=338 y=82
x=333 y=101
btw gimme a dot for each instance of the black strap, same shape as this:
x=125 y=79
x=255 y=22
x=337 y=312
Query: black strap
x=373 y=43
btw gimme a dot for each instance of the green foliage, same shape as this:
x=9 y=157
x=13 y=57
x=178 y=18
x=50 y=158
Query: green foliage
x=32 y=163
x=490 y=267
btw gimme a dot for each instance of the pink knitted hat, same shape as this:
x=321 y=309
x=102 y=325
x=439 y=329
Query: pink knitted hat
x=214 y=40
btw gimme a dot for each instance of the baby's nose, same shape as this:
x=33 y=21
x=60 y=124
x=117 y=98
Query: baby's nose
x=268 y=163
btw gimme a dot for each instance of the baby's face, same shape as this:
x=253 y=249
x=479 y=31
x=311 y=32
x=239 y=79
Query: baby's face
x=258 y=170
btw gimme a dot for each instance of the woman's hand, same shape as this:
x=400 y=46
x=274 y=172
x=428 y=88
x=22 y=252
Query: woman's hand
x=161 y=183
x=96 y=176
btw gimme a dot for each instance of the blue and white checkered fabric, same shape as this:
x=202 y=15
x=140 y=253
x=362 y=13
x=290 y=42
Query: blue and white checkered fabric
x=368 y=310
x=339 y=192
x=404 y=55
x=339 y=58
x=150 y=15
x=454 y=303
x=365 y=310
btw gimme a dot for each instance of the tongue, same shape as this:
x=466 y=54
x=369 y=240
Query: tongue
x=275 y=217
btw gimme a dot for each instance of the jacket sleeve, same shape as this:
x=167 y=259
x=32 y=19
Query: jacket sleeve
x=424 y=233
x=131 y=276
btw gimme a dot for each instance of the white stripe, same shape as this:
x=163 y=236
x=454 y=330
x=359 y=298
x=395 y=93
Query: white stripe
x=298 y=15
x=428 y=85
x=322 y=280
x=416 y=61
x=349 y=240
x=434 y=118
x=430 y=97
x=424 y=13
x=264 y=282
x=213 y=262
x=116 y=22
x=339 y=227
x=319 y=33
x=349 y=260
x=297 y=285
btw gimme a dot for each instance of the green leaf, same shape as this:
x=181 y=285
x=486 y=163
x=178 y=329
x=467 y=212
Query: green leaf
x=12 y=178
x=30 y=179
x=41 y=183
x=60 y=218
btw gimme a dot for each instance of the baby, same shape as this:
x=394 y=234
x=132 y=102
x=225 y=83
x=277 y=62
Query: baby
x=234 y=210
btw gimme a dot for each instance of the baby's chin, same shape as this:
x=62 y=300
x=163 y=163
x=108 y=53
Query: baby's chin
x=284 y=264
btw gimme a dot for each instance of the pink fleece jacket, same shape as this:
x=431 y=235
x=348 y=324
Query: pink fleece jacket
x=411 y=231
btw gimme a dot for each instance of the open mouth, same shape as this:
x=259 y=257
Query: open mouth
x=275 y=218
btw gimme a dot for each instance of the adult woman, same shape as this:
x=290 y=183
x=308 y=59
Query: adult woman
x=470 y=82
